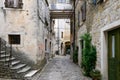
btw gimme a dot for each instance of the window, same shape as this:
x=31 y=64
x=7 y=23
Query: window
x=113 y=46
x=46 y=22
x=61 y=34
x=67 y=1
x=61 y=1
x=95 y=2
x=83 y=10
x=82 y=45
x=100 y=1
x=78 y=19
x=14 y=39
x=45 y=44
x=13 y=3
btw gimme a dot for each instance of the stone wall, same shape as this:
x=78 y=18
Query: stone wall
x=98 y=16
x=103 y=15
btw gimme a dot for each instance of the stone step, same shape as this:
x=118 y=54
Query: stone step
x=2 y=51
x=13 y=63
x=7 y=59
x=3 y=55
x=18 y=66
x=31 y=73
x=25 y=69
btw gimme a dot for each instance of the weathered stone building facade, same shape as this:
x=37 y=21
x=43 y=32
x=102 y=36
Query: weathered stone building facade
x=100 y=19
x=62 y=35
x=25 y=24
x=61 y=9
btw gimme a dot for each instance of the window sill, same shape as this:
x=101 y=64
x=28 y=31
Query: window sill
x=16 y=45
x=14 y=9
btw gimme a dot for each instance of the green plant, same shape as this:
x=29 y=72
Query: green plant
x=95 y=74
x=89 y=54
x=75 y=55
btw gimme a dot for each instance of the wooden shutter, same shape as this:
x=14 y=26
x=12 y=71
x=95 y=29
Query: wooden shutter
x=83 y=9
x=10 y=3
x=20 y=4
x=78 y=18
x=6 y=3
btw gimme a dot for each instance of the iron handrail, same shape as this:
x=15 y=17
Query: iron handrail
x=7 y=51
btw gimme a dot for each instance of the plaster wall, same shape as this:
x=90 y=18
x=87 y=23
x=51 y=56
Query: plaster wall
x=29 y=23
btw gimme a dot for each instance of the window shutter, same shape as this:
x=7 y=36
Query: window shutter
x=78 y=19
x=46 y=22
x=11 y=3
x=6 y=3
x=20 y=4
x=83 y=9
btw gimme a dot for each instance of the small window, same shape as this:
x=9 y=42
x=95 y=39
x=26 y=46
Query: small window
x=68 y=1
x=45 y=44
x=95 y=2
x=61 y=1
x=83 y=10
x=100 y=1
x=13 y=3
x=82 y=45
x=14 y=39
x=78 y=19
x=61 y=34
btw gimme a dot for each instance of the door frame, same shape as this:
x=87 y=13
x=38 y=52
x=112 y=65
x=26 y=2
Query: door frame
x=104 y=47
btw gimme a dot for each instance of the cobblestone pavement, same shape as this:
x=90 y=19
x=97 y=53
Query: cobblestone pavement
x=61 y=68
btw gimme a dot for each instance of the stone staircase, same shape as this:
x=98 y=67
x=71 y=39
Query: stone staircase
x=17 y=68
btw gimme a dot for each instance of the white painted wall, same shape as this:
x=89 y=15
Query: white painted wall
x=27 y=23
x=62 y=26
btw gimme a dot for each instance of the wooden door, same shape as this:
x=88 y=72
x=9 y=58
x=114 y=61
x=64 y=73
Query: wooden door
x=114 y=54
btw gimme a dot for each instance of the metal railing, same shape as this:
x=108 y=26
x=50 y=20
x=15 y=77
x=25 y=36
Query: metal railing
x=5 y=52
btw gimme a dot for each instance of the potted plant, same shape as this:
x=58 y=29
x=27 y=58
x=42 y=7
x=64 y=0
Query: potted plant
x=95 y=74
x=88 y=55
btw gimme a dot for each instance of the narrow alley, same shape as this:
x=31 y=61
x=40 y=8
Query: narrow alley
x=59 y=39
x=61 y=68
